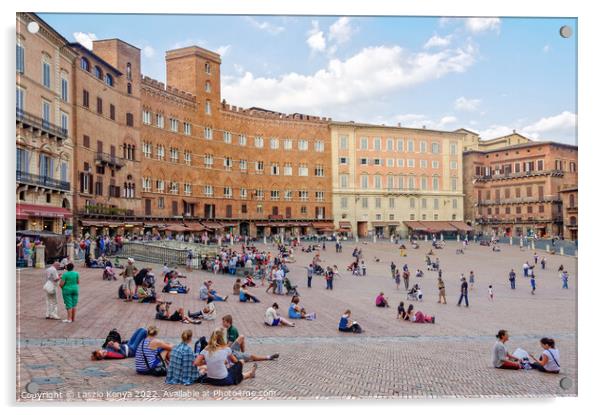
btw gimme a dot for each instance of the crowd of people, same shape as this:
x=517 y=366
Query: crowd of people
x=220 y=360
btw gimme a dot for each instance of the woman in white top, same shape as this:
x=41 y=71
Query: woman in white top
x=548 y=361
x=273 y=319
x=223 y=368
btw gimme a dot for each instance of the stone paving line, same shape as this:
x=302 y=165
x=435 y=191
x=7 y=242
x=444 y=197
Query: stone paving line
x=450 y=358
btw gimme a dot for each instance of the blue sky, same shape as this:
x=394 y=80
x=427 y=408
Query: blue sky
x=485 y=74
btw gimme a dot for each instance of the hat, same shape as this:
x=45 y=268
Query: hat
x=131 y=260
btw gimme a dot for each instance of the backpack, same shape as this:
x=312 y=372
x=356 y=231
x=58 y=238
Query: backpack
x=113 y=336
x=200 y=345
x=121 y=293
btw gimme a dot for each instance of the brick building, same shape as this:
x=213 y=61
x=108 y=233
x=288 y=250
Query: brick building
x=514 y=190
x=107 y=135
x=44 y=126
x=570 y=214
x=393 y=180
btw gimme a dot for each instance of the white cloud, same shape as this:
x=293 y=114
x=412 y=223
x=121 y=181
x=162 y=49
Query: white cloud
x=340 y=31
x=85 y=39
x=368 y=76
x=546 y=48
x=148 y=51
x=316 y=40
x=421 y=120
x=559 y=127
x=467 y=104
x=437 y=41
x=223 y=50
x=448 y=119
x=264 y=26
x=483 y=24
x=554 y=127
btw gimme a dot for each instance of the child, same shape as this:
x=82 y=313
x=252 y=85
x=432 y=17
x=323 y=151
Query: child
x=491 y=292
x=363 y=268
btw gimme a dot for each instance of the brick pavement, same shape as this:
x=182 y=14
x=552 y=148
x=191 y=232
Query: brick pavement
x=450 y=358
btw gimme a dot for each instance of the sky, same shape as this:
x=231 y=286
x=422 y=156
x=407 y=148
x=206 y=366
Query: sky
x=489 y=75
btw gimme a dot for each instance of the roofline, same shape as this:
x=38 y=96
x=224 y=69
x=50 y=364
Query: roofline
x=120 y=40
x=531 y=143
x=66 y=42
x=467 y=130
x=390 y=127
x=569 y=189
x=79 y=46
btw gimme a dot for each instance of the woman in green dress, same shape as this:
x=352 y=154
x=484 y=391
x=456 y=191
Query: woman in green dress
x=70 y=288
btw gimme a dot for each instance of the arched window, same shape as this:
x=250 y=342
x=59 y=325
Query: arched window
x=84 y=64
x=98 y=72
x=128 y=71
x=129 y=88
x=109 y=79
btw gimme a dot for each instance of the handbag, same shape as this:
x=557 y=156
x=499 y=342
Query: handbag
x=49 y=287
x=158 y=371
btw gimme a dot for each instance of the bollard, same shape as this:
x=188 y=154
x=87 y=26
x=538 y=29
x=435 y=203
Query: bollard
x=520 y=242
x=441 y=236
x=374 y=238
x=425 y=238
x=510 y=241
x=70 y=251
x=458 y=238
x=533 y=245
x=547 y=247
x=265 y=240
x=40 y=260
x=562 y=250
x=357 y=239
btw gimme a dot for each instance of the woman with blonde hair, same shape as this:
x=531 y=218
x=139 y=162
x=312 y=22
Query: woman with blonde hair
x=152 y=354
x=223 y=368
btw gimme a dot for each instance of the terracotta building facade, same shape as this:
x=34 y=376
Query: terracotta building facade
x=515 y=190
x=570 y=215
x=44 y=127
x=396 y=181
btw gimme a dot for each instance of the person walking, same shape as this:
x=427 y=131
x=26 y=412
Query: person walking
x=471 y=280
x=441 y=287
x=50 y=286
x=512 y=279
x=565 y=280
x=526 y=268
x=397 y=278
x=70 y=290
x=463 y=292
x=406 y=280
x=329 y=278
x=533 y=284
x=543 y=263
x=310 y=274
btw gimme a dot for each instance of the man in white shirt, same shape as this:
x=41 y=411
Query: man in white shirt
x=52 y=277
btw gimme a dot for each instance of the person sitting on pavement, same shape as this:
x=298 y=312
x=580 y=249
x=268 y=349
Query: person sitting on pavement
x=347 y=325
x=381 y=301
x=121 y=350
x=237 y=344
x=548 y=361
x=418 y=316
x=295 y=311
x=501 y=358
x=236 y=287
x=162 y=313
x=152 y=353
x=207 y=313
x=401 y=311
x=246 y=296
x=272 y=318
x=223 y=368
x=181 y=370
x=207 y=291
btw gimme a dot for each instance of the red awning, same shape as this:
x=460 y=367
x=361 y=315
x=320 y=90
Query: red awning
x=345 y=225
x=415 y=225
x=212 y=225
x=26 y=210
x=323 y=225
x=194 y=226
x=177 y=228
x=461 y=226
x=438 y=226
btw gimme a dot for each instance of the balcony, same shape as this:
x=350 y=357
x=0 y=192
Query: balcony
x=43 y=181
x=519 y=175
x=493 y=220
x=109 y=160
x=37 y=123
x=518 y=200
x=102 y=210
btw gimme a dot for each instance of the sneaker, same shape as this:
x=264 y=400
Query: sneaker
x=67 y=321
x=274 y=356
x=433 y=320
x=226 y=298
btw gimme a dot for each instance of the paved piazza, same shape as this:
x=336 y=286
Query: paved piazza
x=392 y=359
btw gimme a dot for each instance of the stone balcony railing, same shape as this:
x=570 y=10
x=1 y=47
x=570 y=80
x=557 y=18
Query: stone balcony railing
x=45 y=126
x=44 y=181
x=504 y=176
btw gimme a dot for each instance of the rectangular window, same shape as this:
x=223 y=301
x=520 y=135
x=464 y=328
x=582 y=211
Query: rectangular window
x=411 y=163
x=377 y=203
x=423 y=164
x=319 y=146
x=208 y=133
x=319 y=170
x=227 y=137
x=64 y=90
x=436 y=204
x=435 y=183
x=20 y=58
x=146 y=117
x=208 y=160
x=343 y=142
x=423 y=203
x=20 y=99
x=208 y=107
x=364 y=143
x=274 y=195
x=160 y=121
x=364 y=181
x=453 y=164
x=274 y=169
x=399 y=162
x=343 y=160
x=64 y=122
x=453 y=149
x=303 y=145
x=173 y=125
x=187 y=128
x=423 y=146
x=288 y=195
x=344 y=180
x=188 y=158
x=46 y=113
x=377 y=144
x=377 y=182
x=454 y=184
x=389 y=144
x=259 y=167
x=112 y=112
x=160 y=152
x=129 y=119
x=288 y=144
x=243 y=193
x=303 y=170
x=365 y=203
x=243 y=165
x=99 y=105
x=259 y=142
x=400 y=145
x=410 y=146
x=46 y=74
x=454 y=203
x=227 y=192
x=242 y=140
x=86 y=99
x=343 y=203
x=274 y=144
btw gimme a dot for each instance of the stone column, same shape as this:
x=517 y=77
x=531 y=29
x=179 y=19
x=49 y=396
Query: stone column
x=40 y=258
x=92 y=249
x=70 y=251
